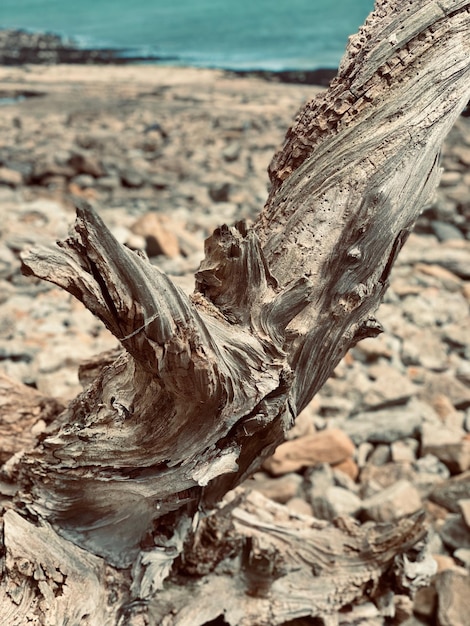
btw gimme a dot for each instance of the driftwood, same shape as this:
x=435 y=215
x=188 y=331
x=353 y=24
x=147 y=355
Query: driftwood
x=122 y=511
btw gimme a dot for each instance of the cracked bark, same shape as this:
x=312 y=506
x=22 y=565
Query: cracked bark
x=120 y=510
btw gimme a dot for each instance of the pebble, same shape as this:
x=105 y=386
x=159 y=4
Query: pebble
x=448 y=493
x=453 y=591
x=282 y=489
x=159 y=236
x=334 y=502
x=400 y=499
x=299 y=506
x=10 y=177
x=449 y=445
x=328 y=446
x=384 y=426
x=455 y=533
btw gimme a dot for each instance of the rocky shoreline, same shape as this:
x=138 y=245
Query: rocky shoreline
x=20 y=47
x=168 y=154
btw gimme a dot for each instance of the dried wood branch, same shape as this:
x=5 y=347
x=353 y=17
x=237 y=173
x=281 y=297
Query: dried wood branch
x=206 y=387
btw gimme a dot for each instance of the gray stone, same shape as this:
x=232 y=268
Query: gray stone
x=341 y=479
x=437 y=384
x=334 y=502
x=232 y=151
x=449 y=445
x=280 y=489
x=463 y=154
x=219 y=191
x=433 y=307
x=389 y=388
x=320 y=478
x=429 y=474
x=400 y=499
x=380 y=455
x=455 y=533
x=458 y=336
x=108 y=183
x=462 y=373
x=445 y=231
x=384 y=426
x=131 y=177
x=16 y=351
x=363 y=452
x=457 y=260
x=333 y=406
x=84 y=181
x=449 y=492
x=8 y=262
x=424 y=347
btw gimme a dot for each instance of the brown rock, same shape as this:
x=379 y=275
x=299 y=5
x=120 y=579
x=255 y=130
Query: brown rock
x=449 y=281
x=299 y=506
x=445 y=384
x=389 y=388
x=45 y=168
x=327 y=446
x=403 y=451
x=453 y=590
x=443 y=406
x=449 y=445
x=455 y=533
x=219 y=191
x=83 y=163
x=10 y=177
x=425 y=601
x=445 y=562
x=423 y=347
x=88 y=193
x=388 y=505
x=348 y=467
x=158 y=233
x=382 y=477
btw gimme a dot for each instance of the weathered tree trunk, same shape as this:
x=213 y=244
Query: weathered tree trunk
x=120 y=509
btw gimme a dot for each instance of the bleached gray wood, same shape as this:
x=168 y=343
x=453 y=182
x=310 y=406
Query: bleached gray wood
x=118 y=488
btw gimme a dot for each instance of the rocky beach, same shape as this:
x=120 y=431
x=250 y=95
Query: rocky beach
x=166 y=155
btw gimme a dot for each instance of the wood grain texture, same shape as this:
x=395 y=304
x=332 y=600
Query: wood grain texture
x=207 y=386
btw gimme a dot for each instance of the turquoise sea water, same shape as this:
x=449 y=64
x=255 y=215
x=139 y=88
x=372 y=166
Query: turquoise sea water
x=234 y=34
